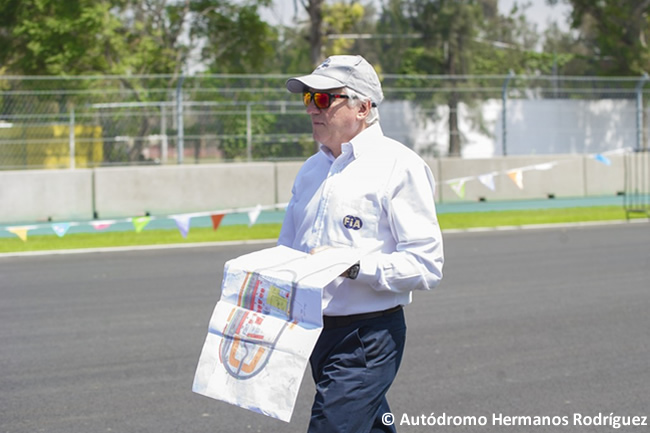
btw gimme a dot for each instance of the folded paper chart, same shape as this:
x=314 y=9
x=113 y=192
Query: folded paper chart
x=265 y=325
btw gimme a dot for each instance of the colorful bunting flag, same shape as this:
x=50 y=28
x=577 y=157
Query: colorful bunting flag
x=254 y=214
x=603 y=159
x=545 y=166
x=183 y=223
x=140 y=223
x=216 y=220
x=458 y=187
x=60 y=229
x=488 y=181
x=517 y=177
x=21 y=232
x=102 y=225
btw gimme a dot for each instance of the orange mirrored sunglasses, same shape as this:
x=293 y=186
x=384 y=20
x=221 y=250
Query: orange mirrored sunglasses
x=321 y=100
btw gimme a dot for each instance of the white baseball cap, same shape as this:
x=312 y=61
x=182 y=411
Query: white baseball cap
x=341 y=71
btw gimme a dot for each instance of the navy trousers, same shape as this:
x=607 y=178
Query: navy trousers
x=353 y=366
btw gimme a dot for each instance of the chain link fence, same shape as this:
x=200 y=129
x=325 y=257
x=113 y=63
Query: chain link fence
x=90 y=121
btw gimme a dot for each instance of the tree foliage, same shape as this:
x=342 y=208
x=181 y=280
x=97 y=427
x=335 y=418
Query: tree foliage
x=49 y=37
x=236 y=39
x=460 y=38
x=615 y=34
x=72 y=37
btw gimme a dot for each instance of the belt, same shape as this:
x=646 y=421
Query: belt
x=341 y=321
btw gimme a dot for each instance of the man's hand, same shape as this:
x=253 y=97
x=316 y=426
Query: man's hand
x=319 y=249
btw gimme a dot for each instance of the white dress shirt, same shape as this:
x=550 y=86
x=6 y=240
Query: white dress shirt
x=377 y=196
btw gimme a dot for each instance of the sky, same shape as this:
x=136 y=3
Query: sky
x=538 y=12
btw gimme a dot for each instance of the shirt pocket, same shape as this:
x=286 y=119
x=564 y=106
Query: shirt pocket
x=354 y=223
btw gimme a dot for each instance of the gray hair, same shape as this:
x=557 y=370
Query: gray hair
x=357 y=98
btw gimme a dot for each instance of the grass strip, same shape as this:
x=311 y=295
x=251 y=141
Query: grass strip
x=531 y=216
x=271 y=231
x=145 y=237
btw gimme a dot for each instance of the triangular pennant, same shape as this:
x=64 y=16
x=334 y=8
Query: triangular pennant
x=603 y=159
x=517 y=177
x=139 y=223
x=21 y=232
x=60 y=229
x=545 y=166
x=254 y=214
x=102 y=225
x=487 y=180
x=183 y=223
x=458 y=187
x=216 y=220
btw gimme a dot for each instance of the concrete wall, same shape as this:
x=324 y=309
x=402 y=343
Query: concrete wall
x=39 y=195
x=570 y=176
x=32 y=196
x=128 y=191
x=601 y=179
x=285 y=174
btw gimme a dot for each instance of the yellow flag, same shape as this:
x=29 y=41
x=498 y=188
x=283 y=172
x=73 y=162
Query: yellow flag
x=21 y=232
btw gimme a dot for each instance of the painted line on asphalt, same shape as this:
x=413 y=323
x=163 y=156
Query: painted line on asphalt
x=134 y=248
x=266 y=241
x=543 y=226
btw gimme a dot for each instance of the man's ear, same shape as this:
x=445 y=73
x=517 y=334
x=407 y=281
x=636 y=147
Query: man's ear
x=364 y=110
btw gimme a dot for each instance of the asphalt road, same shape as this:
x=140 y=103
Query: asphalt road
x=548 y=323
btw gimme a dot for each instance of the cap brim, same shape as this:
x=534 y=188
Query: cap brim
x=318 y=82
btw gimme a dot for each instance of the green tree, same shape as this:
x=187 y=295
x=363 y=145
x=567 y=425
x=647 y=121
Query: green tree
x=570 y=56
x=49 y=37
x=614 y=33
x=236 y=40
x=462 y=40
x=446 y=32
x=313 y=28
x=131 y=38
x=345 y=19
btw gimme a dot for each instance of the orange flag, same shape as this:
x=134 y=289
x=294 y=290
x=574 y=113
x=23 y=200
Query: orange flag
x=216 y=220
x=517 y=177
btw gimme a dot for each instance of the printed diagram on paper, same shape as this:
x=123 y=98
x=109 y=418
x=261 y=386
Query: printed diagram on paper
x=247 y=351
x=264 y=327
x=262 y=295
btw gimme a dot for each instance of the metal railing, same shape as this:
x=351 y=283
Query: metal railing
x=89 y=121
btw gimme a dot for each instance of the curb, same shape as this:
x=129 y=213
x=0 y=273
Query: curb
x=266 y=241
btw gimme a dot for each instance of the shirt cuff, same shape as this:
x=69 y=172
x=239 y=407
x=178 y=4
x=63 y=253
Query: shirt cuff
x=369 y=272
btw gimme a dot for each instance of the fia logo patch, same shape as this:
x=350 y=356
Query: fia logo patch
x=352 y=222
x=325 y=64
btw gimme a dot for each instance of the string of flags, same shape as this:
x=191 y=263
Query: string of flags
x=516 y=175
x=182 y=221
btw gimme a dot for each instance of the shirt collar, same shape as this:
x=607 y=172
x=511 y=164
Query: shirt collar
x=359 y=143
x=366 y=138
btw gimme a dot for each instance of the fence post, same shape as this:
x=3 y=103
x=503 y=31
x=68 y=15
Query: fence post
x=639 y=112
x=164 y=143
x=249 y=133
x=504 y=102
x=71 y=139
x=179 y=113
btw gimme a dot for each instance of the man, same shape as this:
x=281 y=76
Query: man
x=362 y=190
